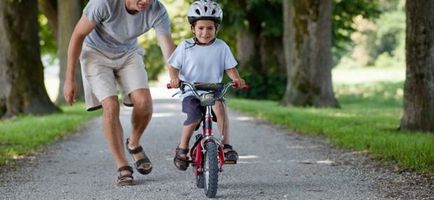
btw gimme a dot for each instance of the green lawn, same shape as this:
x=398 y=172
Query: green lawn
x=23 y=135
x=368 y=120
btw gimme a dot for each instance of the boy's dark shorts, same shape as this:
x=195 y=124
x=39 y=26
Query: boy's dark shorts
x=191 y=106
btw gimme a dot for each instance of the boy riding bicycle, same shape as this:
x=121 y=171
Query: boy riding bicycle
x=203 y=59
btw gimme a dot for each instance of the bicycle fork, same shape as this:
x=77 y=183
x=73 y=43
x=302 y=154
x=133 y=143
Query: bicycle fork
x=205 y=137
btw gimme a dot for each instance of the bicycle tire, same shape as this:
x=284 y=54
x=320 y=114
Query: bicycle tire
x=211 y=170
x=200 y=182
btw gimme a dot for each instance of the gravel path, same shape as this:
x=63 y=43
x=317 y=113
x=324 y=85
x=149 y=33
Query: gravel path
x=274 y=164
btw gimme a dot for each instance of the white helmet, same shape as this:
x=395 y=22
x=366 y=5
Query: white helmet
x=205 y=9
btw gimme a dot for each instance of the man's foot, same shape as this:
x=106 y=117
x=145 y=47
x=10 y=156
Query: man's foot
x=141 y=161
x=125 y=176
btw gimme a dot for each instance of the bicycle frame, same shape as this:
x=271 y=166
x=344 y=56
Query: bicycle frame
x=197 y=151
x=207 y=136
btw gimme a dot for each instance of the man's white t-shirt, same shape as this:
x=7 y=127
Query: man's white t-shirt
x=117 y=30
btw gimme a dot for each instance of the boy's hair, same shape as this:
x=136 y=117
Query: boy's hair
x=204 y=10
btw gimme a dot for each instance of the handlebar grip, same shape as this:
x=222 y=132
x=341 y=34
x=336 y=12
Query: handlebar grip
x=245 y=88
x=237 y=86
x=170 y=87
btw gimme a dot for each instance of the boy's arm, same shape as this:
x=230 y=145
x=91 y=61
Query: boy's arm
x=174 y=77
x=235 y=77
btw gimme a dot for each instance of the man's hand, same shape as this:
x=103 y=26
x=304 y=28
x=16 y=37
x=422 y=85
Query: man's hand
x=70 y=91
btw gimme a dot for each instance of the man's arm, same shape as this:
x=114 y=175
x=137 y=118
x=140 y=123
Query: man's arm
x=167 y=47
x=81 y=30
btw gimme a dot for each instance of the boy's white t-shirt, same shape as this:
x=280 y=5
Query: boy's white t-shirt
x=117 y=30
x=205 y=64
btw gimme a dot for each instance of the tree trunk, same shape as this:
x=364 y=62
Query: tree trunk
x=22 y=88
x=307 y=46
x=49 y=8
x=68 y=15
x=263 y=54
x=248 y=47
x=419 y=82
x=272 y=58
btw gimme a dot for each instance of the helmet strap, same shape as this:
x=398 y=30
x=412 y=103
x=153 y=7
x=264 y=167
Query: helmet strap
x=196 y=41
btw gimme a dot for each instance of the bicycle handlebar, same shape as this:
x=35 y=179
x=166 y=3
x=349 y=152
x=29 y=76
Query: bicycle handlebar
x=208 y=86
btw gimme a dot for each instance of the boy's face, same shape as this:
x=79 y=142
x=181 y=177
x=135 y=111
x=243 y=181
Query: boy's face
x=204 y=30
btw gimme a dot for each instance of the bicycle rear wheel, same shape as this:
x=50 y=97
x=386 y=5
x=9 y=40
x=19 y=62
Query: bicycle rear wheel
x=211 y=170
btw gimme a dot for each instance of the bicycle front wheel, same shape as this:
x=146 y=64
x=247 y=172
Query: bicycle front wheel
x=211 y=169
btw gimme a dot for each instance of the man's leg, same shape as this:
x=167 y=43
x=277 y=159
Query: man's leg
x=113 y=130
x=141 y=115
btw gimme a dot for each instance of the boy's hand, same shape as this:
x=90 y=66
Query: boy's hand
x=174 y=82
x=240 y=83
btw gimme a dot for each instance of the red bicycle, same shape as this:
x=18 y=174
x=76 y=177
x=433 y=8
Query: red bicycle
x=207 y=156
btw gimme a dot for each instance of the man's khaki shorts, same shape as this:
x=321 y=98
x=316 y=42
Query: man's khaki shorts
x=104 y=73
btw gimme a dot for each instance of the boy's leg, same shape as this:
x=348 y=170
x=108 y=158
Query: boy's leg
x=187 y=132
x=222 y=120
x=191 y=106
x=181 y=158
x=223 y=124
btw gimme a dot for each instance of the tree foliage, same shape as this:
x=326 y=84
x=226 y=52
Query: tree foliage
x=47 y=40
x=344 y=13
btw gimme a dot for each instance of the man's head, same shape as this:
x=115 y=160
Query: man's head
x=138 y=5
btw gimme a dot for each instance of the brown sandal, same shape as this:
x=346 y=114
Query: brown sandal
x=143 y=165
x=181 y=159
x=231 y=156
x=126 y=179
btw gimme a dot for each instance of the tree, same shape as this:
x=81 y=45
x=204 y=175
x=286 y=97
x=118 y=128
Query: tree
x=419 y=82
x=68 y=15
x=49 y=8
x=307 y=45
x=258 y=34
x=22 y=87
x=258 y=25
x=257 y=44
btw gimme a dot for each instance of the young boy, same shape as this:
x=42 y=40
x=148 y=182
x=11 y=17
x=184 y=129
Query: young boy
x=203 y=59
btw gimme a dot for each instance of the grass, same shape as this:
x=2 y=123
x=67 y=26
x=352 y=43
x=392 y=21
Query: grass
x=368 y=120
x=23 y=135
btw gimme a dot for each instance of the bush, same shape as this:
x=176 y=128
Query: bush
x=154 y=61
x=262 y=86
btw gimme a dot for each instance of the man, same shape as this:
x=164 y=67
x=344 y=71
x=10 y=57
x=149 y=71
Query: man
x=105 y=41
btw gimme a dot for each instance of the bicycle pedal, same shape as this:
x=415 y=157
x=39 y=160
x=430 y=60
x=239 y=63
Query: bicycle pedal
x=230 y=162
